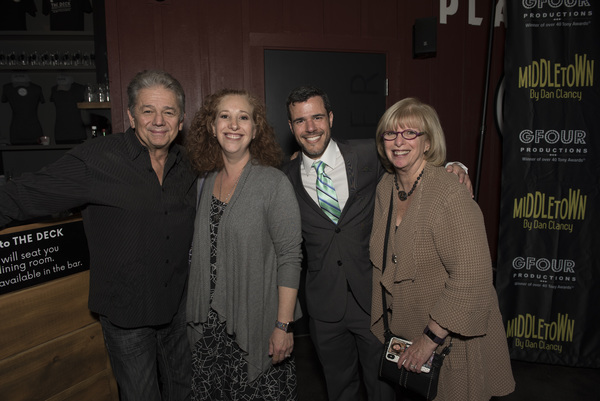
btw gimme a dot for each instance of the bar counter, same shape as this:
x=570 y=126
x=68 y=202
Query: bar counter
x=51 y=345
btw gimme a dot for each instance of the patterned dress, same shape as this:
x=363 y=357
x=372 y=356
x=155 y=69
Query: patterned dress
x=219 y=367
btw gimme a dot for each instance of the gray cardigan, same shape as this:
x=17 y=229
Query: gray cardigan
x=259 y=249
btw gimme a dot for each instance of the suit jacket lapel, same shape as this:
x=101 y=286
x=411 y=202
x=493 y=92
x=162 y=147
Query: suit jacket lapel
x=296 y=180
x=351 y=162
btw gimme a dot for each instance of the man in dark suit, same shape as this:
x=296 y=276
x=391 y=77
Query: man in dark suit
x=339 y=275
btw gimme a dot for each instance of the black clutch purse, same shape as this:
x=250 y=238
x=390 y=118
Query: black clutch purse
x=424 y=384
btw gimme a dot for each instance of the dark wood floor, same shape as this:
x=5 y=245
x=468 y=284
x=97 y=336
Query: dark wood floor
x=535 y=382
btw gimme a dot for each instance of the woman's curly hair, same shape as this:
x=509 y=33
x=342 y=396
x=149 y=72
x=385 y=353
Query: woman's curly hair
x=203 y=148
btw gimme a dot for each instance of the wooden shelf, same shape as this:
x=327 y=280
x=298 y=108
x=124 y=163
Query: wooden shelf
x=10 y=148
x=46 y=35
x=47 y=68
x=93 y=105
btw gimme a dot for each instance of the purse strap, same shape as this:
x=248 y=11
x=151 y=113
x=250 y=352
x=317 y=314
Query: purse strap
x=387 y=333
x=386 y=328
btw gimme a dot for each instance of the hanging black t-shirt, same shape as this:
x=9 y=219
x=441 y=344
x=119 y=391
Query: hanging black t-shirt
x=25 y=127
x=13 y=14
x=69 y=126
x=66 y=15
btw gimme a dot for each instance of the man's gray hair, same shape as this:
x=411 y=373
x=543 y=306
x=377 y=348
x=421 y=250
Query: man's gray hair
x=151 y=78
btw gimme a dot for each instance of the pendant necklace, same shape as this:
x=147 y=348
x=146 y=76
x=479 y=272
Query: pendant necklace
x=232 y=189
x=403 y=195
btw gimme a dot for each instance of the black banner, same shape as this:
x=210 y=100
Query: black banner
x=548 y=274
x=36 y=256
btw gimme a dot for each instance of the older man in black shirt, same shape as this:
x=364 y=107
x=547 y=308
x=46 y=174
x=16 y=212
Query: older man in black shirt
x=139 y=196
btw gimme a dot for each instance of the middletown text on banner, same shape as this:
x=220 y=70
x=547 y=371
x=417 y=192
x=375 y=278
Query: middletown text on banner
x=548 y=273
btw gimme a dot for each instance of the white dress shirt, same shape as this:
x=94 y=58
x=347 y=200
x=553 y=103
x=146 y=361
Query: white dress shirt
x=335 y=168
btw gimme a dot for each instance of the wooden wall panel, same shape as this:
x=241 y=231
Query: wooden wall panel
x=118 y=95
x=183 y=50
x=223 y=45
x=54 y=366
x=268 y=16
x=451 y=86
x=51 y=346
x=342 y=18
x=35 y=315
x=307 y=16
x=379 y=19
x=134 y=48
x=413 y=77
x=149 y=34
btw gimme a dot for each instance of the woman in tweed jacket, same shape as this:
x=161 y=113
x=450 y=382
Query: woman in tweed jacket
x=438 y=289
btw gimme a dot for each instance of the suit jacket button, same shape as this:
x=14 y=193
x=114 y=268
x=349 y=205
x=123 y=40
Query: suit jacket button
x=337 y=230
x=339 y=262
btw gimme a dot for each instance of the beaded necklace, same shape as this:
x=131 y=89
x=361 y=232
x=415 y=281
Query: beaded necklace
x=403 y=195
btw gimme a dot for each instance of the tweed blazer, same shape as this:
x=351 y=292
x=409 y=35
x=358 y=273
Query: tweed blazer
x=443 y=272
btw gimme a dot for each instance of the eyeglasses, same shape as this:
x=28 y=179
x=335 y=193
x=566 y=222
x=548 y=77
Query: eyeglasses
x=407 y=134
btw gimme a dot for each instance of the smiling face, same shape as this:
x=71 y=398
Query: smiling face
x=404 y=154
x=311 y=125
x=234 y=126
x=156 y=118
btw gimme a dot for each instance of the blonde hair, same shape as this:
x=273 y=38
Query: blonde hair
x=412 y=113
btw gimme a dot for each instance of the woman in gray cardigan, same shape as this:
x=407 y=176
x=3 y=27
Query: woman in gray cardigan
x=245 y=266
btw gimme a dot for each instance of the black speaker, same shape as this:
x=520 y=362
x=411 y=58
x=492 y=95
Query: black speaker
x=424 y=37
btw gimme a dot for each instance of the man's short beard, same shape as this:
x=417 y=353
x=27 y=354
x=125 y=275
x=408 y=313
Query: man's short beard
x=314 y=154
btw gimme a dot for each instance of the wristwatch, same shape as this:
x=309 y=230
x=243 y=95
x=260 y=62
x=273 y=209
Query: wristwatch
x=287 y=327
x=432 y=336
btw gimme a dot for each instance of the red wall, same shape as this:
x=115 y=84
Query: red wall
x=208 y=45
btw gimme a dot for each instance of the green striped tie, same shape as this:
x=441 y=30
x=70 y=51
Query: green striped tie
x=326 y=193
